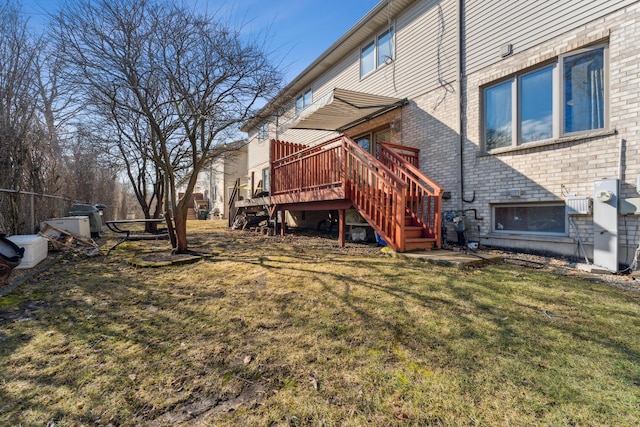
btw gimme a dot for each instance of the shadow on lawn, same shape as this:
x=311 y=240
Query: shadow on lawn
x=152 y=345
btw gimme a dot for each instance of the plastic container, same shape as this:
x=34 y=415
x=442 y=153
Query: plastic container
x=358 y=234
x=379 y=240
x=75 y=224
x=35 y=249
x=95 y=221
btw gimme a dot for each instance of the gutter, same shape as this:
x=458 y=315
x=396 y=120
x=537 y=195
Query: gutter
x=460 y=122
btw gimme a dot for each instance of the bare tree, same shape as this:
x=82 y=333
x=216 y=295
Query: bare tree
x=17 y=104
x=23 y=151
x=130 y=139
x=191 y=78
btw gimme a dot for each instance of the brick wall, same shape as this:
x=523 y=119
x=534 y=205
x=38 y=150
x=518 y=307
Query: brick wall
x=548 y=172
x=543 y=173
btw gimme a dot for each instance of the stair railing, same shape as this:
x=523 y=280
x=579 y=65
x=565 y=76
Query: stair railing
x=376 y=192
x=424 y=196
x=410 y=154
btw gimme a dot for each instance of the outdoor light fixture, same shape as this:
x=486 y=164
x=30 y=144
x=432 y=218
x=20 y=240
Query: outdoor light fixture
x=506 y=50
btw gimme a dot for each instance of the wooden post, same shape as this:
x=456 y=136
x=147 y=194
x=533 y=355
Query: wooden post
x=274 y=215
x=32 y=214
x=341 y=228
x=283 y=223
x=253 y=184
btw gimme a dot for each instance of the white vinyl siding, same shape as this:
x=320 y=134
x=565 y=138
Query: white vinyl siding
x=524 y=24
x=412 y=72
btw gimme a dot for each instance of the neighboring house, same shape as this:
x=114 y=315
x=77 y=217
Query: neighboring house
x=524 y=113
x=216 y=181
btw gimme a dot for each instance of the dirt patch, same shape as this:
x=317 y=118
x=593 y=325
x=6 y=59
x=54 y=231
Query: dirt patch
x=164 y=259
x=207 y=408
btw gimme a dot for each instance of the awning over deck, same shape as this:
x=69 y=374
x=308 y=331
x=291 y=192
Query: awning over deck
x=341 y=108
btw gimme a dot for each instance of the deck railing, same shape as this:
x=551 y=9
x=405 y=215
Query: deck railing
x=305 y=169
x=424 y=196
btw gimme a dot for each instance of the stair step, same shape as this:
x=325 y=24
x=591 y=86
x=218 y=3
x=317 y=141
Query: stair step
x=413 y=231
x=419 y=243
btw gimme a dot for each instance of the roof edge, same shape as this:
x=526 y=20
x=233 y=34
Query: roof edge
x=292 y=87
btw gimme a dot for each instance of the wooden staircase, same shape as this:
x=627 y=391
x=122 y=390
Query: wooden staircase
x=397 y=200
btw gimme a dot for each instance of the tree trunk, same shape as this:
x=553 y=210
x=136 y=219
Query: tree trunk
x=171 y=231
x=181 y=227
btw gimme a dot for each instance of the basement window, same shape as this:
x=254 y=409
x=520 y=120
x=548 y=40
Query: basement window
x=530 y=218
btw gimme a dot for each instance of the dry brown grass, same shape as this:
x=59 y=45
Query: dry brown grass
x=295 y=331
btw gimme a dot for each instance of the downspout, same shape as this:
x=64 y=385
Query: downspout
x=458 y=88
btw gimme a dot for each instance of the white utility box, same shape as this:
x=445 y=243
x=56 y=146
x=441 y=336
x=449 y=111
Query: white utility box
x=35 y=249
x=578 y=205
x=74 y=224
x=605 y=223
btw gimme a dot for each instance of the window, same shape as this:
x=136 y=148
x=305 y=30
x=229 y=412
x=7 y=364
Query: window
x=385 y=51
x=497 y=110
x=529 y=108
x=263 y=132
x=364 y=142
x=377 y=53
x=370 y=141
x=536 y=105
x=583 y=75
x=303 y=101
x=548 y=219
x=367 y=63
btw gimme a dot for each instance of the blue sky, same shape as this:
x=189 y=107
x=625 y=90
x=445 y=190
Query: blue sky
x=298 y=30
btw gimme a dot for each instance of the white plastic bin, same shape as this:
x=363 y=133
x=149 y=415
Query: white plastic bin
x=35 y=249
x=79 y=225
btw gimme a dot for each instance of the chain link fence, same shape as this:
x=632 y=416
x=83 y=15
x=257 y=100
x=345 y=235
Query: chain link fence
x=22 y=212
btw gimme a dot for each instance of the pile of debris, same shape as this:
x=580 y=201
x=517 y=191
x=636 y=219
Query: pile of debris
x=63 y=240
x=248 y=220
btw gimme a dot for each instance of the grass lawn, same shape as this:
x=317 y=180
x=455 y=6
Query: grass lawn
x=295 y=331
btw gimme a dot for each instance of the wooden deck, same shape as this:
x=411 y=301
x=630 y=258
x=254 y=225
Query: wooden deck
x=399 y=202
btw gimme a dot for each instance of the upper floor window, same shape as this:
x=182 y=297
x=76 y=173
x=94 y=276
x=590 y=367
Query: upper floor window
x=263 y=131
x=548 y=102
x=303 y=101
x=377 y=52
